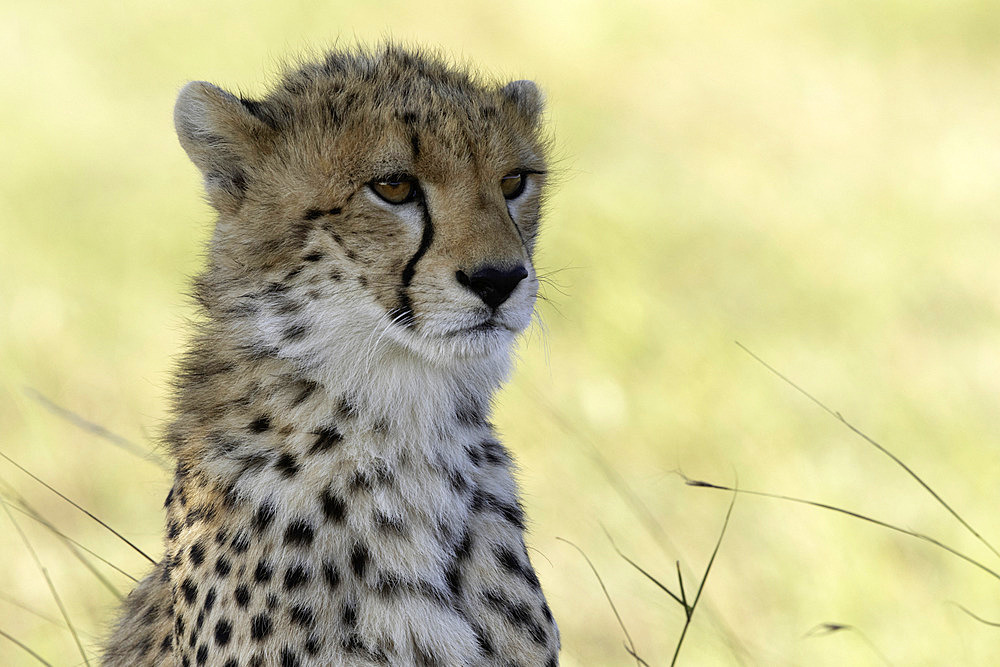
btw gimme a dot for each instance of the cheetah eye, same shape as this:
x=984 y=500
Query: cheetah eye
x=512 y=185
x=399 y=189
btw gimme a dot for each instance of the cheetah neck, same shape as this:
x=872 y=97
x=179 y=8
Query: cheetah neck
x=376 y=534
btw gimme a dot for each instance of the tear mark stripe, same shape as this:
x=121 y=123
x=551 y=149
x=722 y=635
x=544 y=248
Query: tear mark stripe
x=426 y=238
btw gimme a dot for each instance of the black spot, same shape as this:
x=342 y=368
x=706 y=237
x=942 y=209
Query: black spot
x=389 y=584
x=470 y=413
x=251 y=462
x=333 y=507
x=167 y=644
x=388 y=524
x=426 y=657
x=483 y=501
x=301 y=615
x=295 y=576
x=459 y=482
x=546 y=612
x=287 y=464
x=173 y=530
x=312 y=645
x=495 y=452
x=288 y=658
x=359 y=560
x=360 y=481
x=260 y=424
x=331 y=574
x=297 y=270
x=313 y=257
x=220 y=536
x=349 y=616
x=517 y=614
x=264 y=517
x=299 y=533
x=241 y=542
x=552 y=662
x=210 y=599
x=327 y=437
x=242 y=595
x=151 y=614
x=223 y=630
x=170 y=497
x=306 y=389
x=485 y=645
x=260 y=627
x=464 y=548
x=222 y=566
x=263 y=572
x=232 y=662
x=454 y=578
x=347 y=408
x=294 y=332
x=513 y=514
x=507 y=559
x=202 y=656
x=475 y=455
x=368 y=479
x=190 y=590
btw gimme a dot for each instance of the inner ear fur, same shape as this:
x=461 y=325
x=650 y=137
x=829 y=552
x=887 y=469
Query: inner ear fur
x=222 y=137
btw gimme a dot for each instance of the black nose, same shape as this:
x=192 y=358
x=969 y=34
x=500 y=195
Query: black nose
x=493 y=284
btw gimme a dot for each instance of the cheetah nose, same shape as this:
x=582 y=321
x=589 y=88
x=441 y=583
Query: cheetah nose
x=493 y=284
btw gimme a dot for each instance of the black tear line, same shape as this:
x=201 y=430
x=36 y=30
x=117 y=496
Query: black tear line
x=405 y=307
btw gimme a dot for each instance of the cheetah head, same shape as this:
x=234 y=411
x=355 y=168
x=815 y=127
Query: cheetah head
x=374 y=203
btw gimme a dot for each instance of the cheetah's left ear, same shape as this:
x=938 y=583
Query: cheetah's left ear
x=527 y=97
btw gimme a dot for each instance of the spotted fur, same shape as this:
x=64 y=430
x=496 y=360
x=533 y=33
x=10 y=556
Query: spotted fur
x=340 y=496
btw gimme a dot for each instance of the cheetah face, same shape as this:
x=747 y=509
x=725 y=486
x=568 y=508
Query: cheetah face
x=383 y=213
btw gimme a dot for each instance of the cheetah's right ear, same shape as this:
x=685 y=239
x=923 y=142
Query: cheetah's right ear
x=222 y=137
x=527 y=97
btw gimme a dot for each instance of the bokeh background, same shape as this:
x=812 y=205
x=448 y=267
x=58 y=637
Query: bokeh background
x=816 y=179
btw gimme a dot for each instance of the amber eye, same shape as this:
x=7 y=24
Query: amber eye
x=512 y=185
x=396 y=189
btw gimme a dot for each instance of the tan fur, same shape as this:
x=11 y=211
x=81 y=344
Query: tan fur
x=340 y=496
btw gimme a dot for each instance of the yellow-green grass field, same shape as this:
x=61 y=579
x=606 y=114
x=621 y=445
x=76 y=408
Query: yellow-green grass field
x=819 y=180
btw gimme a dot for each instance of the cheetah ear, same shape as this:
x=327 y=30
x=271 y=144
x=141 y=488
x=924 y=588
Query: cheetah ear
x=527 y=97
x=222 y=137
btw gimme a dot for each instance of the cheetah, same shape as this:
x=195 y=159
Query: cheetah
x=340 y=496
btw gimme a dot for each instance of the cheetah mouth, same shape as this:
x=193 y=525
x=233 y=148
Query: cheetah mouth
x=486 y=327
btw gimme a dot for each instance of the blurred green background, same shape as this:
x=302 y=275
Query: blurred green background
x=816 y=179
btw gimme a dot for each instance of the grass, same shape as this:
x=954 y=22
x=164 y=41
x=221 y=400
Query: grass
x=815 y=179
